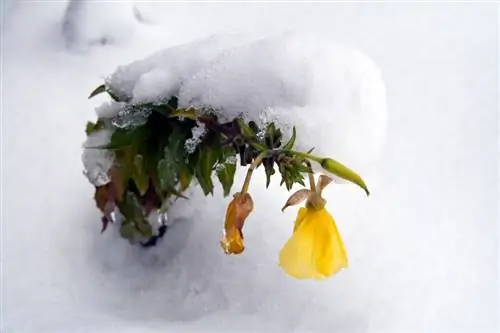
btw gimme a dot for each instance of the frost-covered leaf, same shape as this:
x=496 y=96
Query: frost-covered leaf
x=131 y=117
x=167 y=171
x=123 y=137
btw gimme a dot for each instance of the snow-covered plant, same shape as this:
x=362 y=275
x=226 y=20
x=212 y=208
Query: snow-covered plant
x=156 y=150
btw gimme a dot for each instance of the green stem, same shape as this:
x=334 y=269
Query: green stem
x=311 y=177
x=252 y=167
x=306 y=155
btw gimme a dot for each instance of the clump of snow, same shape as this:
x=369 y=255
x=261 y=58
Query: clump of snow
x=97 y=162
x=291 y=79
x=175 y=65
x=153 y=85
x=109 y=109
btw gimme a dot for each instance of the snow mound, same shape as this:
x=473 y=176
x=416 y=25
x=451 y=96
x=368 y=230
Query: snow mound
x=333 y=94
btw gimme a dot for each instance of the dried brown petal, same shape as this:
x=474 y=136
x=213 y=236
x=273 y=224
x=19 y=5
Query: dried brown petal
x=323 y=181
x=296 y=198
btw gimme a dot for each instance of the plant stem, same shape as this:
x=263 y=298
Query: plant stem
x=311 y=177
x=306 y=156
x=252 y=167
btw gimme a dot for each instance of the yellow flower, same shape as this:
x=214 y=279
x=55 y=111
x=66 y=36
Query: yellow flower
x=237 y=211
x=315 y=250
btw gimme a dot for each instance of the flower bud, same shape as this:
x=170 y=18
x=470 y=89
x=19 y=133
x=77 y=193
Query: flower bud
x=344 y=172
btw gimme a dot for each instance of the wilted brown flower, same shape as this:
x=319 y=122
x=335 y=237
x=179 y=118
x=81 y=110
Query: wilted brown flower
x=237 y=211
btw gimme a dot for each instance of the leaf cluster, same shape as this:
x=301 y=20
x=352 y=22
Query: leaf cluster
x=152 y=165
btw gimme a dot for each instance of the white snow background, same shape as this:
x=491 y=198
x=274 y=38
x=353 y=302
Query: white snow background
x=422 y=248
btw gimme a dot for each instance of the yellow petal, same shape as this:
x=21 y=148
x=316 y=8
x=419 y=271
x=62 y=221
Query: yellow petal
x=315 y=249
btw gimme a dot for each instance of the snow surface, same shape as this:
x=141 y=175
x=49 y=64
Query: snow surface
x=422 y=248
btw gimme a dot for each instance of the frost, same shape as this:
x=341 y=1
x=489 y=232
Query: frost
x=231 y=160
x=198 y=131
x=130 y=117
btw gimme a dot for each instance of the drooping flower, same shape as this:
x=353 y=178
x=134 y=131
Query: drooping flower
x=237 y=211
x=315 y=249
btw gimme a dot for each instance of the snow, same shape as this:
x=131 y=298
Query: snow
x=292 y=78
x=109 y=109
x=97 y=162
x=423 y=248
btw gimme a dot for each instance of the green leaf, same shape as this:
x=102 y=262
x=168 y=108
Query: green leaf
x=246 y=131
x=206 y=162
x=127 y=230
x=186 y=113
x=130 y=208
x=269 y=169
x=273 y=136
x=185 y=177
x=115 y=97
x=139 y=175
x=97 y=91
x=123 y=138
x=135 y=220
x=144 y=228
x=94 y=127
x=226 y=177
x=291 y=142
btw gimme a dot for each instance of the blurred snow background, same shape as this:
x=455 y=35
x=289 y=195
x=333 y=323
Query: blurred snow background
x=423 y=248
